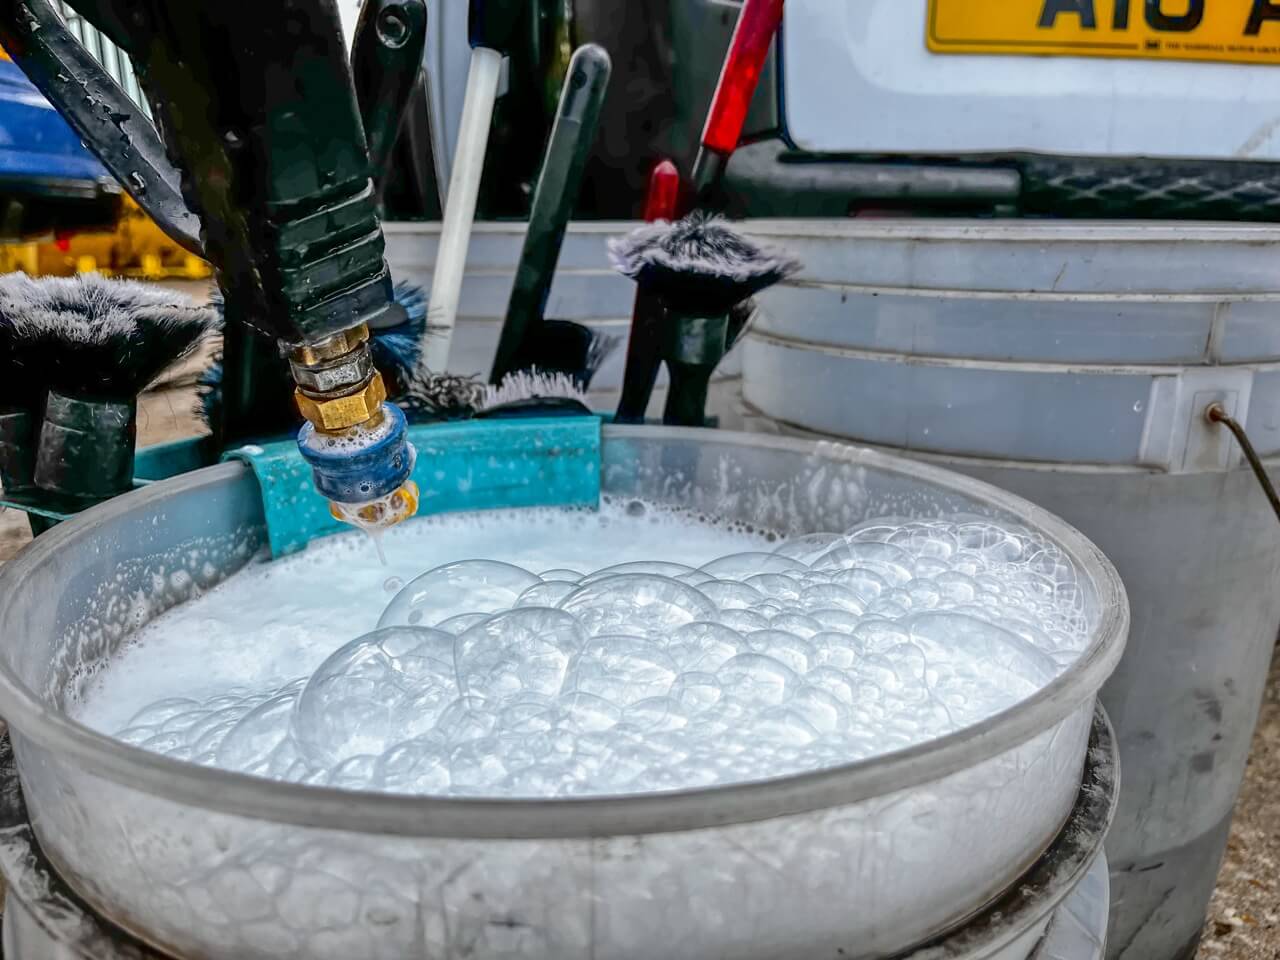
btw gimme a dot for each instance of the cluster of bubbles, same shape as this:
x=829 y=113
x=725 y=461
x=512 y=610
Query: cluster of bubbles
x=484 y=679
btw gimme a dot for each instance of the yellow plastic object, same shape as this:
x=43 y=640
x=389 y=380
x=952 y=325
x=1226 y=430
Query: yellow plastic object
x=379 y=514
x=20 y=256
x=137 y=248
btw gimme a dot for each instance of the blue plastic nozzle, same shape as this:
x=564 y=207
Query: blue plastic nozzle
x=360 y=465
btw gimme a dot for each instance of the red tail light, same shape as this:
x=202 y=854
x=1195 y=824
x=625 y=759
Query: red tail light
x=757 y=25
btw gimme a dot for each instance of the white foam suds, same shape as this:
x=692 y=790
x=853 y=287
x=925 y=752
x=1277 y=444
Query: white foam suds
x=559 y=653
x=274 y=622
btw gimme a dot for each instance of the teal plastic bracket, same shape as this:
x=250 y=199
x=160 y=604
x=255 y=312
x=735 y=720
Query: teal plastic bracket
x=470 y=465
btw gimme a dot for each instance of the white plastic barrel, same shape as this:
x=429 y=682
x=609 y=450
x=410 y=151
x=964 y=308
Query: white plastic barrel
x=1072 y=364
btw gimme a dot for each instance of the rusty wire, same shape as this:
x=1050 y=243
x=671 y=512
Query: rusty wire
x=1217 y=414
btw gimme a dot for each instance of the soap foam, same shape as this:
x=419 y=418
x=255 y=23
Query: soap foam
x=731 y=658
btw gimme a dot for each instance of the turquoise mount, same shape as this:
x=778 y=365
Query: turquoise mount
x=467 y=465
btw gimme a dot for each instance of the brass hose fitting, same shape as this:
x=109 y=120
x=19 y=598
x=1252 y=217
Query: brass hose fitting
x=356 y=443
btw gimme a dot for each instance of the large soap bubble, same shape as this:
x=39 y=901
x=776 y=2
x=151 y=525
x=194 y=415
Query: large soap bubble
x=471 y=586
x=621 y=670
x=352 y=704
x=518 y=652
x=740 y=566
x=637 y=604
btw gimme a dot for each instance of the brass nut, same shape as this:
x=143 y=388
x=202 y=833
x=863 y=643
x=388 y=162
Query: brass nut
x=342 y=413
x=330 y=348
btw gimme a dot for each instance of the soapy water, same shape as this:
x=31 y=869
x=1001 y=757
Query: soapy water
x=484 y=678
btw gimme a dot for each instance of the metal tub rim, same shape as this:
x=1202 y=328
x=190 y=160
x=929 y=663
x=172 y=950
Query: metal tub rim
x=29 y=717
x=1034 y=898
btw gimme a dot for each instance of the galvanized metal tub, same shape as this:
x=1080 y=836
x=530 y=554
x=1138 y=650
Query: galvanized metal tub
x=1057 y=910
x=1072 y=364
x=871 y=858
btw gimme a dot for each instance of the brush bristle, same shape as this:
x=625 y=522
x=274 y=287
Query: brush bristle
x=445 y=396
x=397 y=351
x=699 y=265
x=532 y=385
x=414 y=299
x=22 y=381
x=95 y=337
x=432 y=397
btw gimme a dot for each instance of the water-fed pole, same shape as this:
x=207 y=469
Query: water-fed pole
x=644 y=349
x=559 y=185
x=493 y=25
x=758 y=23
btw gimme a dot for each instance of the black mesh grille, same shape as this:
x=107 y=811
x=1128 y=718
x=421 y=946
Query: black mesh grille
x=1200 y=190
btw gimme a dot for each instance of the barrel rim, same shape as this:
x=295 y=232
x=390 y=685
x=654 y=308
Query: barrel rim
x=911 y=229
x=224 y=792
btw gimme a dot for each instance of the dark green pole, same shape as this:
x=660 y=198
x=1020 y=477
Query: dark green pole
x=559 y=185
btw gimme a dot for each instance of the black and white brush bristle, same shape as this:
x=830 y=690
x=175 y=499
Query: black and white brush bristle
x=527 y=386
x=428 y=397
x=699 y=266
x=100 y=338
x=435 y=397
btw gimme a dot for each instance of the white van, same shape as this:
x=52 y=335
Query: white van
x=1150 y=108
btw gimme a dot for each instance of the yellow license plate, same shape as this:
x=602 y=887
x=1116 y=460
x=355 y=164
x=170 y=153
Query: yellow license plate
x=1232 y=31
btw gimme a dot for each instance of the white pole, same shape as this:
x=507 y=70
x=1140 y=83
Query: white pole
x=460 y=205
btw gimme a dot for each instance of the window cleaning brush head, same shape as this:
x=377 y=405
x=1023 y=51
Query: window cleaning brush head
x=98 y=343
x=705 y=273
x=699 y=266
x=100 y=338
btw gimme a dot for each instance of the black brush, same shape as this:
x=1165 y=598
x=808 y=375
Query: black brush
x=572 y=349
x=100 y=343
x=395 y=346
x=705 y=272
x=528 y=340
x=427 y=398
x=644 y=346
